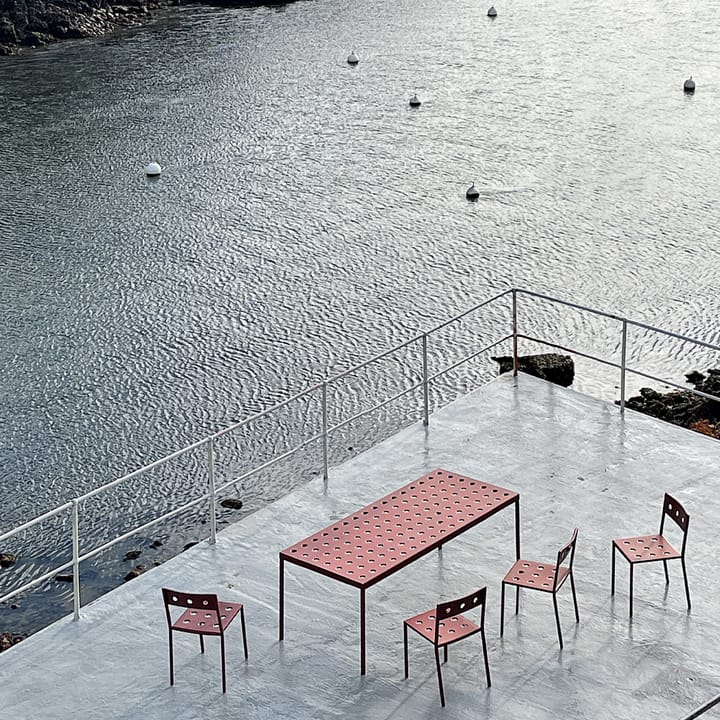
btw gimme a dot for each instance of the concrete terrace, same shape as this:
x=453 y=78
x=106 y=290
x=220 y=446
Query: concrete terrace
x=575 y=462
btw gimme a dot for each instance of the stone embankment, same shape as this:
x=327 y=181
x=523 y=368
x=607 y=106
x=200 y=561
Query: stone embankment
x=32 y=23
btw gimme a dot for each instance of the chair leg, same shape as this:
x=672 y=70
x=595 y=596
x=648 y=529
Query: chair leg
x=406 y=648
x=445 y=653
x=631 y=588
x=170 y=645
x=244 y=632
x=687 y=587
x=667 y=577
x=557 y=620
x=439 y=674
x=485 y=655
x=612 y=581
x=517 y=599
x=502 y=609
x=572 y=586
x=202 y=644
x=222 y=656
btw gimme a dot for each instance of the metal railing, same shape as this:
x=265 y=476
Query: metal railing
x=703 y=709
x=424 y=381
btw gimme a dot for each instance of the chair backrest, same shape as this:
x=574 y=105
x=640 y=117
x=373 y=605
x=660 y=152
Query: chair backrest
x=451 y=608
x=199 y=601
x=566 y=553
x=674 y=510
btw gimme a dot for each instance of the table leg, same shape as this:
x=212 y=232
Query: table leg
x=362 y=631
x=282 y=598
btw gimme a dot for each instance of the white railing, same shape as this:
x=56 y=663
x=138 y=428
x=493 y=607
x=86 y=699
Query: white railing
x=424 y=381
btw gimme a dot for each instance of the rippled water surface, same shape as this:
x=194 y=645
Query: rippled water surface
x=307 y=217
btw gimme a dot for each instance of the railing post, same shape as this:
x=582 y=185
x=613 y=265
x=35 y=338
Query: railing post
x=426 y=387
x=325 y=436
x=623 y=363
x=516 y=363
x=76 y=558
x=211 y=491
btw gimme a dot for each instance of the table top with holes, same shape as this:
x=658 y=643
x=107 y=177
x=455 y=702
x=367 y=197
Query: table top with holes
x=391 y=532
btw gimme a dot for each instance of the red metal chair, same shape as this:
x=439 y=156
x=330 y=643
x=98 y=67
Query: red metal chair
x=444 y=625
x=651 y=548
x=203 y=614
x=545 y=577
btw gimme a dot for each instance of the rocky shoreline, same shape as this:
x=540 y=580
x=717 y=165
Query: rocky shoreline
x=34 y=23
x=683 y=407
x=9 y=560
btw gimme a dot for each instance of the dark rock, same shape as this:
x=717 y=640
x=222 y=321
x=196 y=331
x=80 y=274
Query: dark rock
x=137 y=570
x=682 y=407
x=189 y=545
x=156 y=544
x=7 y=640
x=555 y=368
x=7 y=559
x=30 y=23
x=132 y=555
x=64 y=577
x=233 y=503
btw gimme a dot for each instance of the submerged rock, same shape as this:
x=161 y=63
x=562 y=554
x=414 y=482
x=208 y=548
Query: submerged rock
x=555 y=368
x=137 y=570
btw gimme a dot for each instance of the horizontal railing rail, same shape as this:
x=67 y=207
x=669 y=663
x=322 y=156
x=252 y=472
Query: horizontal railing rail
x=422 y=379
x=703 y=709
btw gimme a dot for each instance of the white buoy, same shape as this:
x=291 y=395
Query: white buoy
x=414 y=101
x=353 y=59
x=492 y=12
x=152 y=169
x=472 y=193
x=689 y=86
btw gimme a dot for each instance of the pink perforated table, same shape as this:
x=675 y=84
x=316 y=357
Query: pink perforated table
x=378 y=540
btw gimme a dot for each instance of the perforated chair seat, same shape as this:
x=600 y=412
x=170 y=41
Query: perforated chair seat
x=646 y=548
x=450 y=630
x=205 y=622
x=535 y=575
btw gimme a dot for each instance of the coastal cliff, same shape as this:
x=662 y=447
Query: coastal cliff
x=32 y=23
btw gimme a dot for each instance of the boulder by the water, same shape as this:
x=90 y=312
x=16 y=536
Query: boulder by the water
x=682 y=407
x=232 y=503
x=7 y=559
x=7 y=640
x=555 y=368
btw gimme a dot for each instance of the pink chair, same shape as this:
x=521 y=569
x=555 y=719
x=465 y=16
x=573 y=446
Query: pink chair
x=651 y=548
x=444 y=625
x=203 y=614
x=545 y=577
